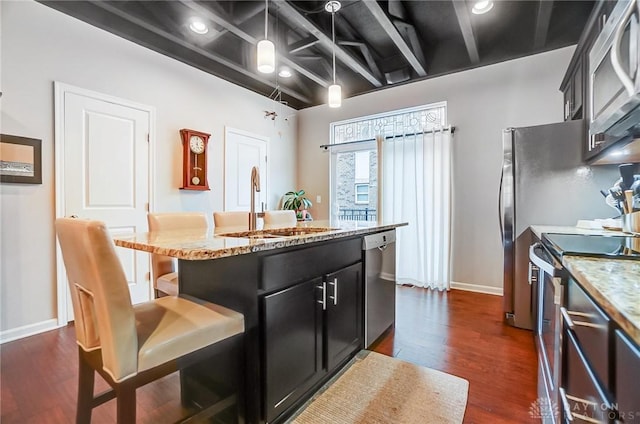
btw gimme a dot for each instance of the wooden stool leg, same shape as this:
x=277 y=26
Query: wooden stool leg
x=126 y=398
x=86 y=375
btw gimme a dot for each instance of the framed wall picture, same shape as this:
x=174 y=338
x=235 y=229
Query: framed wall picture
x=20 y=160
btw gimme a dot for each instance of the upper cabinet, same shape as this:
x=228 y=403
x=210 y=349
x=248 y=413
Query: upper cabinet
x=575 y=82
x=593 y=85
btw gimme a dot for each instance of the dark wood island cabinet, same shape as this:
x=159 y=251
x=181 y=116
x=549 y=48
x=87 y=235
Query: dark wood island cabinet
x=303 y=307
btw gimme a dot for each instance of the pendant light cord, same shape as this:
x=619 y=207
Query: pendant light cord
x=266 y=14
x=333 y=35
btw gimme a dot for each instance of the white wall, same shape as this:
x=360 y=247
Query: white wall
x=40 y=46
x=481 y=102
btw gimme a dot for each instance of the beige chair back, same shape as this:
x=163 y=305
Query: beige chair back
x=167 y=221
x=275 y=219
x=236 y=219
x=100 y=294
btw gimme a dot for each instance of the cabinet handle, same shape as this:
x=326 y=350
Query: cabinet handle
x=323 y=287
x=581 y=401
x=335 y=291
x=571 y=323
x=570 y=415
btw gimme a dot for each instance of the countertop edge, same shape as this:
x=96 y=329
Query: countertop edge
x=253 y=246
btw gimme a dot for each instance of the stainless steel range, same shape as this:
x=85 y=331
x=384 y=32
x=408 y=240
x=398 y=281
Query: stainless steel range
x=550 y=278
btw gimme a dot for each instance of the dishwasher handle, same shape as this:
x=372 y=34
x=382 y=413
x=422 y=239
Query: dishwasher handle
x=378 y=240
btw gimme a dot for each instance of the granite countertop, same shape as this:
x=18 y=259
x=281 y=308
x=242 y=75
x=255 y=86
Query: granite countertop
x=614 y=284
x=202 y=245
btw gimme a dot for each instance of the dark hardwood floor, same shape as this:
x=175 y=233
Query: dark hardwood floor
x=456 y=332
x=462 y=333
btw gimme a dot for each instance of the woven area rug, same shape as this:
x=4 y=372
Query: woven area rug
x=375 y=388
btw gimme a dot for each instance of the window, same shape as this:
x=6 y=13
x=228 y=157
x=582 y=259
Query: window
x=362 y=194
x=354 y=160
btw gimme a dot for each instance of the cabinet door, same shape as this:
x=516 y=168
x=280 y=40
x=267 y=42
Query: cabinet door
x=627 y=378
x=576 y=91
x=293 y=344
x=581 y=395
x=344 y=314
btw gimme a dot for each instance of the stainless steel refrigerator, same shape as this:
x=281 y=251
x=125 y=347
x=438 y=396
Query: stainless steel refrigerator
x=544 y=182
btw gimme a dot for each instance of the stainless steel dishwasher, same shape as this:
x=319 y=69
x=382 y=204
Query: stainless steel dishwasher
x=380 y=284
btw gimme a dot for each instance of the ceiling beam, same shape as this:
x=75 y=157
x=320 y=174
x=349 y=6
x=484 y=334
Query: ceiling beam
x=291 y=14
x=238 y=21
x=305 y=43
x=226 y=23
x=318 y=59
x=464 y=20
x=221 y=60
x=366 y=53
x=542 y=23
x=395 y=36
x=412 y=35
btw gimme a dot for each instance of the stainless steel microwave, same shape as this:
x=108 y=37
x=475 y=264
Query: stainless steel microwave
x=614 y=78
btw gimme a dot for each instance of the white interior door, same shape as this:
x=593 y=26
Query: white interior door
x=104 y=148
x=243 y=151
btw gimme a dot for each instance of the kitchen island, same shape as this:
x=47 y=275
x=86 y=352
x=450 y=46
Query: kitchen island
x=300 y=290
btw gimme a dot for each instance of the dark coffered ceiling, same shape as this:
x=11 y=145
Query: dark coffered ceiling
x=379 y=44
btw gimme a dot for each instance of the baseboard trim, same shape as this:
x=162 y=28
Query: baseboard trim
x=28 y=330
x=496 y=291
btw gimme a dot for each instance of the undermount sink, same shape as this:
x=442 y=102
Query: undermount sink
x=277 y=232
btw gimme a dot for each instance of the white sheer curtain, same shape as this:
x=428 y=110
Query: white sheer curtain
x=415 y=175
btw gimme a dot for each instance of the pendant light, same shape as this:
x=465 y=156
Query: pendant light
x=266 y=49
x=335 y=91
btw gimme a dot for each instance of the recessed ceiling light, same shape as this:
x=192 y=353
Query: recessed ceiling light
x=482 y=7
x=198 y=26
x=285 y=72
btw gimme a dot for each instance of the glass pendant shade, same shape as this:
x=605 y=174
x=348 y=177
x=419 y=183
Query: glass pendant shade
x=335 y=95
x=266 y=56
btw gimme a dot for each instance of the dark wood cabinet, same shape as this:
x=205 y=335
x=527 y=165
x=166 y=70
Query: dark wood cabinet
x=575 y=84
x=573 y=91
x=627 y=377
x=310 y=330
x=600 y=364
x=344 y=314
x=293 y=344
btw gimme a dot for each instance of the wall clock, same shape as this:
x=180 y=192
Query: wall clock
x=194 y=165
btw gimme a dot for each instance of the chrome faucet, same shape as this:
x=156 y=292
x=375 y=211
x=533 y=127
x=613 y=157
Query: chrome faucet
x=255 y=187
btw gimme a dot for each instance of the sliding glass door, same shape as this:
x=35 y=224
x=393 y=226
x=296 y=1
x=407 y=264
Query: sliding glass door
x=354 y=182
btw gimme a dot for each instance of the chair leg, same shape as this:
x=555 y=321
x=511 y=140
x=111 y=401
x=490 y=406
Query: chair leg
x=126 y=398
x=86 y=376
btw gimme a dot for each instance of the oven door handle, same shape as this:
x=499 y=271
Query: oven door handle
x=626 y=81
x=541 y=263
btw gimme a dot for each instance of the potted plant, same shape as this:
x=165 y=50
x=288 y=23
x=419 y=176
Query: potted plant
x=296 y=201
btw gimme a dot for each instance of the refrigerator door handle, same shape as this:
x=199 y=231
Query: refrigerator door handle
x=500 y=210
x=507 y=199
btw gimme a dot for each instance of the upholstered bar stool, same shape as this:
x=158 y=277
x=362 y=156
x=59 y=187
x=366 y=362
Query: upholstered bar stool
x=278 y=219
x=235 y=219
x=130 y=346
x=163 y=268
